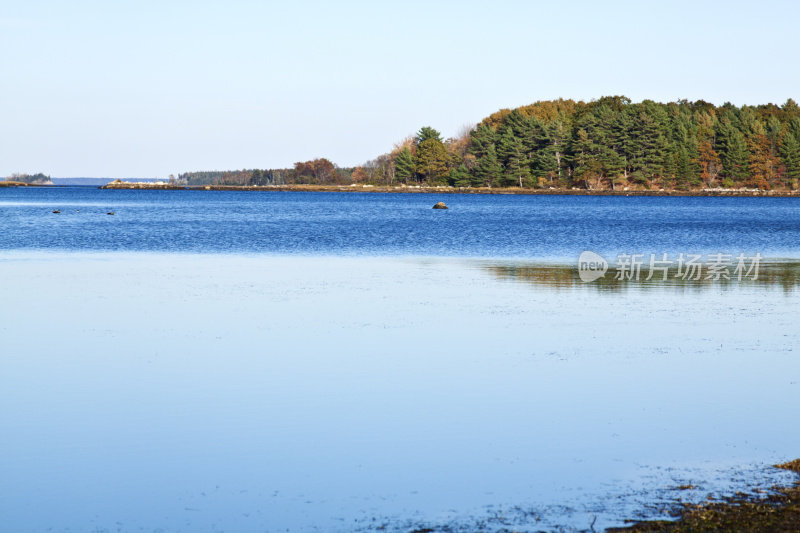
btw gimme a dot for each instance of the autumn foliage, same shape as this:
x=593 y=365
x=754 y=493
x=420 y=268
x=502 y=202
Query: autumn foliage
x=608 y=143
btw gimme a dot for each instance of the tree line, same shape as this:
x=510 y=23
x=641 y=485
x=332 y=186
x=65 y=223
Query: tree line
x=32 y=179
x=317 y=172
x=608 y=143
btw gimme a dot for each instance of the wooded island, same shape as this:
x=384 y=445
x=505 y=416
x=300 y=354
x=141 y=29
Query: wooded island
x=606 y=144
x=609 y=145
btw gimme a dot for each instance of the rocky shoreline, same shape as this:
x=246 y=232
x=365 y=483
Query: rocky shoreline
x=419 y=189
x=19 y=184
x=453 y=190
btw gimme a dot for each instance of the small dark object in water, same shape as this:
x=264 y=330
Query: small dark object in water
x=440 y=205
x=110 y=213
x=56 y=211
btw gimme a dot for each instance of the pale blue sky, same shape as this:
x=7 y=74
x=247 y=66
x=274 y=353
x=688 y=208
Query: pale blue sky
x=150 y=88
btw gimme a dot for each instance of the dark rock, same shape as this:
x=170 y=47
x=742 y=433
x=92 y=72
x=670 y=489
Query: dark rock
x=110 y=213
x=56 y=211
x=440 y=205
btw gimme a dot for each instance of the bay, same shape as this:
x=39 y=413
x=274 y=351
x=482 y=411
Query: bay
x=359 y=362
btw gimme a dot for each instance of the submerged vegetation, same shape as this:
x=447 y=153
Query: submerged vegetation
x=606 y=144
x=777 y=512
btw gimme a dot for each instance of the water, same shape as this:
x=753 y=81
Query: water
x=542 y=227
x=413 y=372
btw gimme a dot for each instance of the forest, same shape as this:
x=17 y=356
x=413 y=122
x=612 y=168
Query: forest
x=608 y=143
x=317 y=172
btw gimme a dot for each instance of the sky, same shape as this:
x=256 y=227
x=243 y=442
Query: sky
x=145 y=89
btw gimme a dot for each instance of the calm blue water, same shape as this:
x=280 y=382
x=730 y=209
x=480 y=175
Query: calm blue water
x=360 y=362
x=551 y=227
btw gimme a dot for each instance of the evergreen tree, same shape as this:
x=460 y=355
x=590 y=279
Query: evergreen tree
x=794 y=127
x=515 y=163
x=587 y=166
x=489 y=170
x=735 y=157
x=773 y=132
x=683 y=168
x=790 y=154
x=605 y=143
x=517 y=123
x=404 y=165
x=686 y=167
x=460 y=177
x=431 y=160
x=621 y=137
x=481 y=138
x=425 y=133
x=549 y=159
x=649 y=146
x=597 y=143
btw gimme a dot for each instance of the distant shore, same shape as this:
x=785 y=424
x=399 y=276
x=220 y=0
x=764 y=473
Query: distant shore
x=19 y=184
x=454 y=190
x=419 y=189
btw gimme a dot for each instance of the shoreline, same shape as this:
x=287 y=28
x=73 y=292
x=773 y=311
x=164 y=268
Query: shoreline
x=779 y=510
x=455 y=190
x=419 y=189
x=21 y=184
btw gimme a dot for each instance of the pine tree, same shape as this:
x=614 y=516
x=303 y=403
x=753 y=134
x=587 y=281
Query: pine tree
x=773 y=132
x=515 y=163
x=735 y=158
x=517 y=123
x=609 y=140
x=612 y=163
x=794 y=127
x=685 y=152
x=425 y=133
x=489 y=170
x=604 y=161
x=482 y=138
x=649 y=146
x=605 y=143
x=587 y=167
x=460 y=177
x=790 y=155
x=620 y=134
x=431 y=160
x=404 y=165
x=683 y=168
x=549 y=159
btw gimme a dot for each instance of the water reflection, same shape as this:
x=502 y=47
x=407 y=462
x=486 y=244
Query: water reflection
x=784 y=274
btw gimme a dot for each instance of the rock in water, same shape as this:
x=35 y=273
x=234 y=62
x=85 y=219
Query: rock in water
x=110 y=213
x=440 y=205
